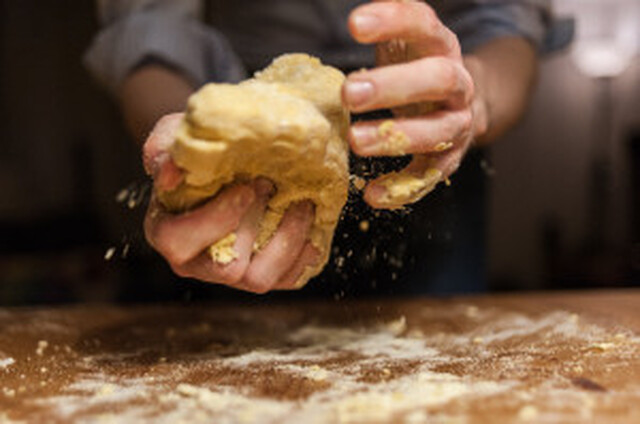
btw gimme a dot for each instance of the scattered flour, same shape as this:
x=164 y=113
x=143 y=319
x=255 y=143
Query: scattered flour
x=377 y=373
x=345 y=397
x=42 y=345
x=6 y=362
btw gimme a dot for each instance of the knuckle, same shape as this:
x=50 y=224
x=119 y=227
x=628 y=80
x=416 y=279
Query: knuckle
x=233 y=274
x=427 y=16
x=449 y=81
x=180 y=270
x=451 y=127
x=167 y=246
x=451 y=40
x=257 y=284
x=467 y=86
x=175 y=256
x=466 y=120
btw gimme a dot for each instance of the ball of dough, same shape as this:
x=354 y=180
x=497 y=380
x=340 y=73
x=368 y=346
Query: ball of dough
x=286 y=124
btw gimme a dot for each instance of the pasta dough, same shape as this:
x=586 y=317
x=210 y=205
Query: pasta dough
x=286 y=124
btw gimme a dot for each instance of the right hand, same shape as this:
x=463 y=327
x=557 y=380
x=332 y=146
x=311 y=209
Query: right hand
x=182 y=239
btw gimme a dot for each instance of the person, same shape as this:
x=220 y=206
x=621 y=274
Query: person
x=476 y=59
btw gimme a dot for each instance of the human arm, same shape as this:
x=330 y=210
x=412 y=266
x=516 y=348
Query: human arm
x=149 y=93
x=504 y=72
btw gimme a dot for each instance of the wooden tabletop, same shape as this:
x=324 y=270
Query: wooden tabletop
x=548 y=358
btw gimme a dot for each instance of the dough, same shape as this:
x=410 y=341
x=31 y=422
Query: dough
x=286 y=124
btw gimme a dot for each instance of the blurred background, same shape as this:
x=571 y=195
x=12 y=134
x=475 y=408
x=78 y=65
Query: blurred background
x=564 y=185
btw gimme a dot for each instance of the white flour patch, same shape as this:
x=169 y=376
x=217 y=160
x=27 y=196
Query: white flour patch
x=6 y=362
x=344 y=395
x=322 y=343
x=4 y=419
x=384 y=373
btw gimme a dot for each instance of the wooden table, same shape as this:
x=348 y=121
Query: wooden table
x=553 y=358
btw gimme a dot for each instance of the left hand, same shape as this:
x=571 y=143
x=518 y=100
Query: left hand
x=422 y=77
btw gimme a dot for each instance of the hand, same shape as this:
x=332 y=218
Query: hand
x=423 y=79
x=183 y=239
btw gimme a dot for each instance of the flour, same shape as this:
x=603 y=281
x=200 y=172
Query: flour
x=6 y=362
x=400 y=370
x=42 y=346
x=346 y=391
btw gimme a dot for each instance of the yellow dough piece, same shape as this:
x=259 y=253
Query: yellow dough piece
x=403 y=188
x=286 y=124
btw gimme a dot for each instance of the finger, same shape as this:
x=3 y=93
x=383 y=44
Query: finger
x=156 y=159
x=279 y=255
x=431 y=79
x=414 y=22
x=205 y=268
x=160 y=139
x=437 y=132
x=291 y=279
x=421 y=176
x=169 y=176
x=180 y=238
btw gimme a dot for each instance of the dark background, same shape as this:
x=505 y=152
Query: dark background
x=564 y=207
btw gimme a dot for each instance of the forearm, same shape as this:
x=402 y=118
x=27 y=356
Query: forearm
x=504 y=73
x=149 y=93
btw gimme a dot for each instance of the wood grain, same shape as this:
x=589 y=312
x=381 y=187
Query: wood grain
x=531 y=357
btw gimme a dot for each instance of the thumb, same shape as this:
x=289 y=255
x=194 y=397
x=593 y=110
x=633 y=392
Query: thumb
x=155 y=153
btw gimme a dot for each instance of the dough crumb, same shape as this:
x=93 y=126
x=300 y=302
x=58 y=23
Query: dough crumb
x=402 y=188
x=416 y=417
x=442 y=146
x=528 y=413
x=472 y=312
x=415 y=333
x=395 y=142
x=109 y=253
x=601 y=347
x=42 y=345
x=358 y=182
x=364 y=226
x=398 y=326
x=317 y=373
x=223 y=251
x=106 y=390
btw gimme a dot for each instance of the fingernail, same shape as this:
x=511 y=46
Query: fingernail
x=264 y=187
x=366 y=23
x=169 y=176
x=358 y=93
x=363 y=137
x=376 y=192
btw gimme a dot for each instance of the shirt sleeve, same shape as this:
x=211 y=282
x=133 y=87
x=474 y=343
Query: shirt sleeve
x=477 y=22
x=166 y=31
